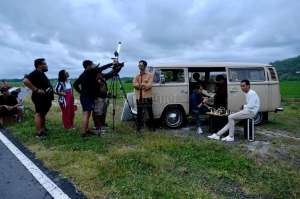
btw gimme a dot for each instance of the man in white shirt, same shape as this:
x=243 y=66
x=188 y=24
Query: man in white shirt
x=249 y=110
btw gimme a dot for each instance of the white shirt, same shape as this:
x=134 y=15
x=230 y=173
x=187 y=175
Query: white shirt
x=68 y=85
x=252 y=102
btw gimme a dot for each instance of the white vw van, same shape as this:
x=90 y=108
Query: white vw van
x=173 y=85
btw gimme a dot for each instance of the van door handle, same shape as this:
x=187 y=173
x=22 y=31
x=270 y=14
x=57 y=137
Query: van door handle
x=234 y=91
x=184 y=92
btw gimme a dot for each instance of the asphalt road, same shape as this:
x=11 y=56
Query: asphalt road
x=15 y=180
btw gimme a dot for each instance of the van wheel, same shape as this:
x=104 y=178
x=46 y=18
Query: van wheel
x=258 y=119
x=173 y=117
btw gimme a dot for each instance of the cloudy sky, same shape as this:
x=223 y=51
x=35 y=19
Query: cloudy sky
x=66 y=32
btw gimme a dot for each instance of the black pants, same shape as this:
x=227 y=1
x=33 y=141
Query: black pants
x=145 y=104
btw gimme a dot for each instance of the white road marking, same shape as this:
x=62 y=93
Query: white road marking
x=46 y=182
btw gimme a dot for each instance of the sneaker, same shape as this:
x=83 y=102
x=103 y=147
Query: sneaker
x=199 y=130
x=228 y=139
x=86 y=134
x=41 y=135
x=214 y=136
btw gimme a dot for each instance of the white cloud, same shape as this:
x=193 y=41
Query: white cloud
x=69 y=31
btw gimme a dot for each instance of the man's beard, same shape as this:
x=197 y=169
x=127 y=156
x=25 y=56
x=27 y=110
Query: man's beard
x=45 y=70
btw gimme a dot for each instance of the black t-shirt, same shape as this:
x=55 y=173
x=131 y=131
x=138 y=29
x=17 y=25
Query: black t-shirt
x=87 y=82
x=8 y=100
x=89 y=86
x=41 y=81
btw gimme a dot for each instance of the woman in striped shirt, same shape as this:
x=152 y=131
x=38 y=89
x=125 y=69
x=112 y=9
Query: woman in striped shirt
x=64 y=91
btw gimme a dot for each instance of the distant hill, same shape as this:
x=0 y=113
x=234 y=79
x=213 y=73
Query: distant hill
x=288 y=69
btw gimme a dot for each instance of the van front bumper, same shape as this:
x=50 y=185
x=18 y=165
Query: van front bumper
x=279 y=109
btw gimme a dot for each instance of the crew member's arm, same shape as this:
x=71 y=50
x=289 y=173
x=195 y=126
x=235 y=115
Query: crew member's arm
x=29 y=85
x=76 y=85
x=104 y=67
x=136 y=83
x=108 y=75
x=13 y=101
x=148 y=85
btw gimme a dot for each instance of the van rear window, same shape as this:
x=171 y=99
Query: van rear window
x=252 y=74
x=273 y=74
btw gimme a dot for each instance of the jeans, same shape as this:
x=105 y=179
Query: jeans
x=145 y=104
x=198 y=115
x=233 y=119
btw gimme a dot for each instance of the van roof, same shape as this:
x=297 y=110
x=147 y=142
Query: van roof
x=211 y=64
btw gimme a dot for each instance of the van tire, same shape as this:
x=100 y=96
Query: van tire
x=259 y=119
x=173 y=117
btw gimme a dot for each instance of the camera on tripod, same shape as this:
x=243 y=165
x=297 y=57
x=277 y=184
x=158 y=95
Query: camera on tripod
x=116 y=84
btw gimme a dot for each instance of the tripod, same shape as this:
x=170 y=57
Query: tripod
x=113 y=93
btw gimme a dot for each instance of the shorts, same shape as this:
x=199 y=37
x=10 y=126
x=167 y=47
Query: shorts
x=6 y=113
x=87 y=103
x=101 y=105
x=42 y=105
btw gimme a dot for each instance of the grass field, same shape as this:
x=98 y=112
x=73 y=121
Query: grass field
x=290 y=89
x=123 y=164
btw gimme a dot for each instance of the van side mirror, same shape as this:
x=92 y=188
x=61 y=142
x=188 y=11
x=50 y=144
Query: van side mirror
x=162 y=79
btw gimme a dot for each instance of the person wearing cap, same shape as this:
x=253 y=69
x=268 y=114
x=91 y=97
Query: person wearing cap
x=87 y=86
x=42 y=94
x=142 y=84
x=4 y=85
x=101 y=101
x=8 y=105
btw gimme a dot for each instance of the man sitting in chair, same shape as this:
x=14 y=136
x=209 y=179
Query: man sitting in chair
x=8 y=105
x=199 y=106
x=249 y=110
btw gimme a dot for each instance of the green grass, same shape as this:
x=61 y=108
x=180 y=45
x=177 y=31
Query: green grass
x=123 y=164
x=290 y=89
x=288 y=120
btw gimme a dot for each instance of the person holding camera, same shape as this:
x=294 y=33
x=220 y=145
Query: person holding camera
x=142 y=84
x=101 y=101
x=88 y=86
x=42 y=94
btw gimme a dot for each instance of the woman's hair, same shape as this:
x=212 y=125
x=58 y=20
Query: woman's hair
x=62 y=76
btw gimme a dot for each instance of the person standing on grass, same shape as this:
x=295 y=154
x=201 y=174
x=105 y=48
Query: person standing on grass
x=64 y=90
x=249 y=110
x=42 y=94
x=142 y=84
x=87 y=86
x=101 y=101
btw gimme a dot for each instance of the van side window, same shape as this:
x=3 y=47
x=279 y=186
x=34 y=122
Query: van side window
x=273 y=74
x=156 y=76
x=252 y=74
x=173 y=75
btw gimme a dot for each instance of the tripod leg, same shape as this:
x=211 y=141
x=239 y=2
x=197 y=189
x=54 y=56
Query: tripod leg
x=125 y=97
x=124 y=92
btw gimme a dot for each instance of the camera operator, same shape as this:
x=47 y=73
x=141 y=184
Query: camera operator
x=42 y=94
x=89 y=88
x=101 y=101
